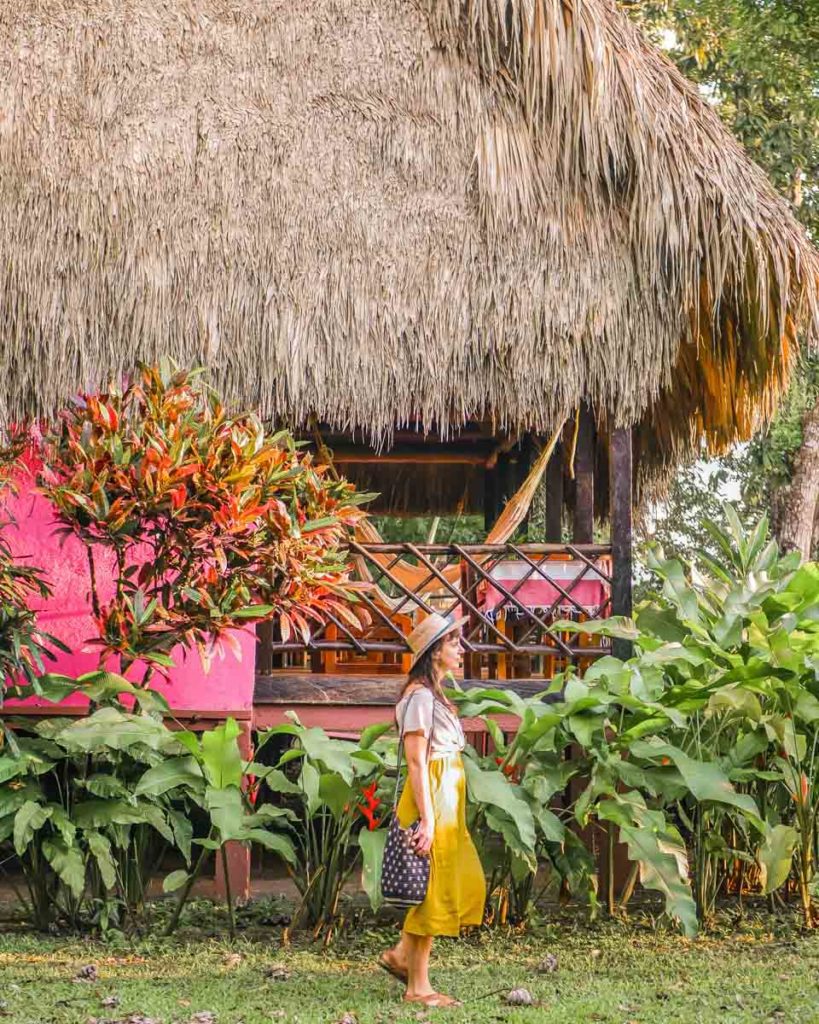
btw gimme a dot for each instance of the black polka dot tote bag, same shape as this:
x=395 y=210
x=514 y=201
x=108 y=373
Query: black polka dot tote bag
x=404 y=873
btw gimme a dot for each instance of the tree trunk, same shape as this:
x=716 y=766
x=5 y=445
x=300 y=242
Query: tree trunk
x=795 y=510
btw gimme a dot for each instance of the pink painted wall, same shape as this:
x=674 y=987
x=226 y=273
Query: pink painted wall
x=228 y=686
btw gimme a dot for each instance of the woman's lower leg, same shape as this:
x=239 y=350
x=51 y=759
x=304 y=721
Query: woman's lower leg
x=418 y=949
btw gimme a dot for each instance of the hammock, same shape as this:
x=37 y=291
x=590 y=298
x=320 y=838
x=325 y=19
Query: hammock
x=417 y=578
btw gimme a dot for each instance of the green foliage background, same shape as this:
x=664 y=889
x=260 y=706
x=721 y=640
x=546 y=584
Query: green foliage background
x=757 y=61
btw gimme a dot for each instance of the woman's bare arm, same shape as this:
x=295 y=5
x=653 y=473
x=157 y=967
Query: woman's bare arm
x=415 y=750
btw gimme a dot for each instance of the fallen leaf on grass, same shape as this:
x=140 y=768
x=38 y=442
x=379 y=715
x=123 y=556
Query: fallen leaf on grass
x=87 y=973
x=548 y=965
x=109 y=1002
x=204 y=1017
x=519 y=997
x=233 y=959
x=277 y=972
x=347 y=1018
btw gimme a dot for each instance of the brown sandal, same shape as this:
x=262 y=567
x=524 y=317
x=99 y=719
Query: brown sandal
x=434 y=1000
x=392 y=969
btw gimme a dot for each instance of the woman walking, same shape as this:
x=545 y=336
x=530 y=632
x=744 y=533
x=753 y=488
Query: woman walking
x=435 y=796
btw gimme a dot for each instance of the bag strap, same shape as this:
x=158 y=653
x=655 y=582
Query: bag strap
x=401 y=746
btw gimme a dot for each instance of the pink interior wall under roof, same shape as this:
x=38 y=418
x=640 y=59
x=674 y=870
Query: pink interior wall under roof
x=226 y=687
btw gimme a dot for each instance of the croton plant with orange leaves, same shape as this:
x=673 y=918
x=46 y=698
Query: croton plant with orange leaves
x=209 y=520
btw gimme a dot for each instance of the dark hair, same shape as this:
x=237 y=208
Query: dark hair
x=422 y=672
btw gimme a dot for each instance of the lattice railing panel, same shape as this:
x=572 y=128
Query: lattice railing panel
x=511 y=596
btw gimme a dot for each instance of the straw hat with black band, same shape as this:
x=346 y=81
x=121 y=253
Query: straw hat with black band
x=429 y=631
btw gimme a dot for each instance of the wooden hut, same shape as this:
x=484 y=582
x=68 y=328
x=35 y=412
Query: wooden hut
x=440 y=231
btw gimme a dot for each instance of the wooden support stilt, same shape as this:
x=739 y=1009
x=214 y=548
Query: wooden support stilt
x=583 y=530
x=506 y=481
x=490 y=498
x=621 y=471
x=522 y=465
x=238 y=855
x=554 y=497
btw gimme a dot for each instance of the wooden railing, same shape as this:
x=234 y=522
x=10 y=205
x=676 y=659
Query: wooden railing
x=511 y=596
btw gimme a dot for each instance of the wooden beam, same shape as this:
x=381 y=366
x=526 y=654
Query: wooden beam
x=621 y=470
x=469 y=454
x=554 y=497
x=583 y=532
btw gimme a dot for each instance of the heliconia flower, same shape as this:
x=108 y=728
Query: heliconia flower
x=368 y=808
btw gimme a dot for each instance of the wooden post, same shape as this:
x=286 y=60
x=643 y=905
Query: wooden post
x=264 y=652
x=506 y=481
x=621 y=471
x=554 y=497
x=522 y=465
x=238 y=854
x=583 y=531
x=490 y=498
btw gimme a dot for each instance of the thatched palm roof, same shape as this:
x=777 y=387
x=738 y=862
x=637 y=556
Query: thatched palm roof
x=383 y=211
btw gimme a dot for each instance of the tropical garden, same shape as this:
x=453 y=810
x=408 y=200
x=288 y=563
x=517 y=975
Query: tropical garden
x=697 y=755
x=694 y=759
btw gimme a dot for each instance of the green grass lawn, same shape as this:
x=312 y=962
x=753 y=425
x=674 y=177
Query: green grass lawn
x=606 y=973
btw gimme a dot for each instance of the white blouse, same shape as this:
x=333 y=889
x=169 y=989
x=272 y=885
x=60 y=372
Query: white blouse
x=420 y=711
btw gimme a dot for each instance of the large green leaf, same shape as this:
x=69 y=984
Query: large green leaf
x=309 y=779
x=274 y=778
x=170 y=774
x=371 y=733
x=100 y=846
x=659 y=850
x=274 y=841
x=336 y=794
x=11 y=800
x=221 y=758
x=101 y=685
x=332 y=755
x=29 y=819
x=550 y=825
x=68 y=863
x=227 y=812
x=372 y=858
x=738 y=699
x=6 y=827
x=775 y=856
x=490 y=788
x=104 y=785
x=175 y=880
x=112 y=729
x=705 y=780
x=97 y=814
x=530 y=734
x=662 y=623
x=26 y=763
x=182 y=833
x=63 y=823
x=54 y=687
x=501 y=822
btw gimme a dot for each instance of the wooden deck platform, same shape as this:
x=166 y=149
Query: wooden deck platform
x=348 y=703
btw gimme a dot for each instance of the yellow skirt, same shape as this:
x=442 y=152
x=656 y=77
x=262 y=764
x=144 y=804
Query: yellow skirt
x=457 y=887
